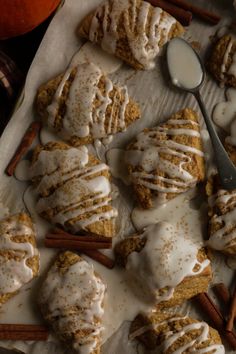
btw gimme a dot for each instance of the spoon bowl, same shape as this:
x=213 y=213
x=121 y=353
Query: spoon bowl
x=187 y=73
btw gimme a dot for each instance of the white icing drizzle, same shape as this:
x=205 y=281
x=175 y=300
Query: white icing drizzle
x=232 y=69
x=146 y=153
x=14 y=273
x=75 y=298
x=225 y=112
x=164 y=262
x=171 y=338
x=225 y=236
x=83 y=117
x=71 y=189
x=144 y=44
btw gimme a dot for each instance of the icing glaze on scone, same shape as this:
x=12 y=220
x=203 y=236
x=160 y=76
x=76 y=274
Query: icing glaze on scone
x=160 y=163
x=177 y=334
x=145 y=35
x=88 y=105
x=16 y=251
x=163 y=262
x=73 y=192
x=223 y=221
x=71 y=299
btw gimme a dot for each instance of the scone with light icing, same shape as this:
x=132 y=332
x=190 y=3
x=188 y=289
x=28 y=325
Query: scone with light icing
x=71 y=301
x=19 y=257
x=166 y=160
x=222 y=61
x=83 y=105
x=74 y=189
x=222 y=217
x=174 y=333
x=162 y=269
x=133 y=30
x=230 y=142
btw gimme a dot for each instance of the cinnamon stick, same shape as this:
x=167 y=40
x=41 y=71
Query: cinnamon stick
x=199 y=12
x=76 y=244
x=100 y=258
x=23 y=332
x=232 y=313
x=62 y=235
x=25 y=144
x=222 y=293
x=183 y=16
x=217 y=319
x=94 y=254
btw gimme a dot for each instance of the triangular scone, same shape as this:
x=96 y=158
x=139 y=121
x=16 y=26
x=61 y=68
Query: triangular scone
x=83 y=105
x=222 y=214
x=19 y=257
x=174 y=333
x=133 y=30
x=166 y=272
x=74 y=189
x=71 y=300
x=166 y=160
x=222 y=61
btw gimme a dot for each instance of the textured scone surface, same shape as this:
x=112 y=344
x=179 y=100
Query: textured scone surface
x=134 y=31
x=71 y=300
x=222 y=217
x=74 y=189
x=83 y=105
x=19 y=257
x=164 y=273
x=166 y=160
x=221 y=60
x=169 y=333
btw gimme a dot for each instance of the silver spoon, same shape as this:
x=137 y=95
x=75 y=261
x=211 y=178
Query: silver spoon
x=187 y=72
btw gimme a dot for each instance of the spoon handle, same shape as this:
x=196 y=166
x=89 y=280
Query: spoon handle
x=226 y=168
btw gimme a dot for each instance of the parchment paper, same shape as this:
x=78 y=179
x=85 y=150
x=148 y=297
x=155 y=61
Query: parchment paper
x=157 y=100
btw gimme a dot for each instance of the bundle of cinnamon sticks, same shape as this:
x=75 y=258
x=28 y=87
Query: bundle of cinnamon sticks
x=183 y=11
x=225 y=326
x=88 y=245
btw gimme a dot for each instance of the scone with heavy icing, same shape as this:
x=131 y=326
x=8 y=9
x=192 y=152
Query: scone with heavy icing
x=167 y=333
x=71 y=301
x=165 y=271
x=166 y=160
x=222 y=217
x=74 y=189
x=19 y=257
x=222 y=61
x=133 y=30
x=83 y=105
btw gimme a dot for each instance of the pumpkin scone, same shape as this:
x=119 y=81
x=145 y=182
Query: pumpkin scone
x=166 y=160
x=83 y=105
x=133 y=30
x=222 y=61
x=167 y=333
x=74 y=189
x=165 y=271
x=19 y=257
x=222 y=214
x=71 y=301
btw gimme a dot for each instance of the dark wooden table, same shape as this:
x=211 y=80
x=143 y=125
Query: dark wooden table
x=21 y=50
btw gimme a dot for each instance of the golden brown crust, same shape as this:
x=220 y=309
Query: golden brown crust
x=123 y=50
x=32 y=262
x=188 y=288
x=47 y=91
x=196 y=167
x=216 y=61
x=104 y=227
x=155 y=335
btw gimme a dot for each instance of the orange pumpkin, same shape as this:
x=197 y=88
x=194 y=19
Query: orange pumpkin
x=20 y=16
